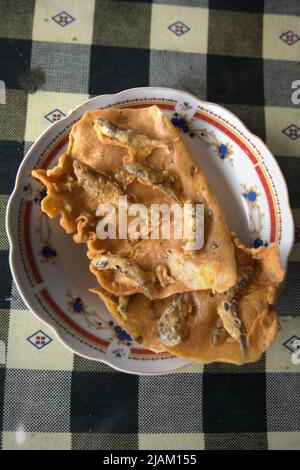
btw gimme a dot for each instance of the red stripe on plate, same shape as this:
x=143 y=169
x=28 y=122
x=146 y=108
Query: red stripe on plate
x=54 y=152
x=270 y=201
x=253 y=159
x=162 y=106
x=147 y=352
x=229 y=133
x=44 y=293
x=27 y=243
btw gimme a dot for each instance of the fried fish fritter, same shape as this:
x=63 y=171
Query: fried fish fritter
x=130 y=269
x=96 y=164
x=147 y=175
x=97 y=184
x=134 y=141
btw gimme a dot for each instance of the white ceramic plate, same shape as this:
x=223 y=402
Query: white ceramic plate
x=51 y=272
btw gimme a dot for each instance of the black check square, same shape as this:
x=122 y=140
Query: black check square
x=2 y=383
x=11 y=153
x=256 y=6
x=235 y=80
x=243 y=33
x=252 y=116
x=17 y=18
x=104 y=403
x=6 y=280
x=282 y=7
x=66 y=66
x=289 y=299
x=17 y=303
x=248 y=368
x=15 y=58
x=113 y=69
x=39 y=400
x=2 y=386
x=161 y=62
x=290 y=166
x=162 y=403
x=131 y=25
x=81 y=364
x=234 y=403
x=3 y=235
x=283 y=396
x=278 y=79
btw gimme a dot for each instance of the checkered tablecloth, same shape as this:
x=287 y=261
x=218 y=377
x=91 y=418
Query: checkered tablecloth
x=54 y=54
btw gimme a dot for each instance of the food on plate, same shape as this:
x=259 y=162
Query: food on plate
x=138 y=152
x=192 y=325
x=146 y=175
x=172 y=322
x=97 y=184
x=135 y=142
x=208 y=304
x=228 y=309
x=129 y=269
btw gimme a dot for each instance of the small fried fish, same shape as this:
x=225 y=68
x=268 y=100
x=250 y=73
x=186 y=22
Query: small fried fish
x=128 y=138
x=97 y=184
x=123 y=265
x=145 y=174
x=195 y=220
x=170 y=326
x=123 y=305
x=218 y=332
x=121 y=302
x=227 y=309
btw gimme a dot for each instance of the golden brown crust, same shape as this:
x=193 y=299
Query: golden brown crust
x=255 y=308
x=215 y=268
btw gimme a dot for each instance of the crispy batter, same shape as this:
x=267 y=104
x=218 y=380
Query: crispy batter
x=218 y=332
x=188 y=241
x=139 y=283
x=228 y=308
x=65 y=198
x=129 y=138
x=97 y=184
x=123 y=305
x=147 y=175
x=205 y=338
x=170 y=326
x=124 y=266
